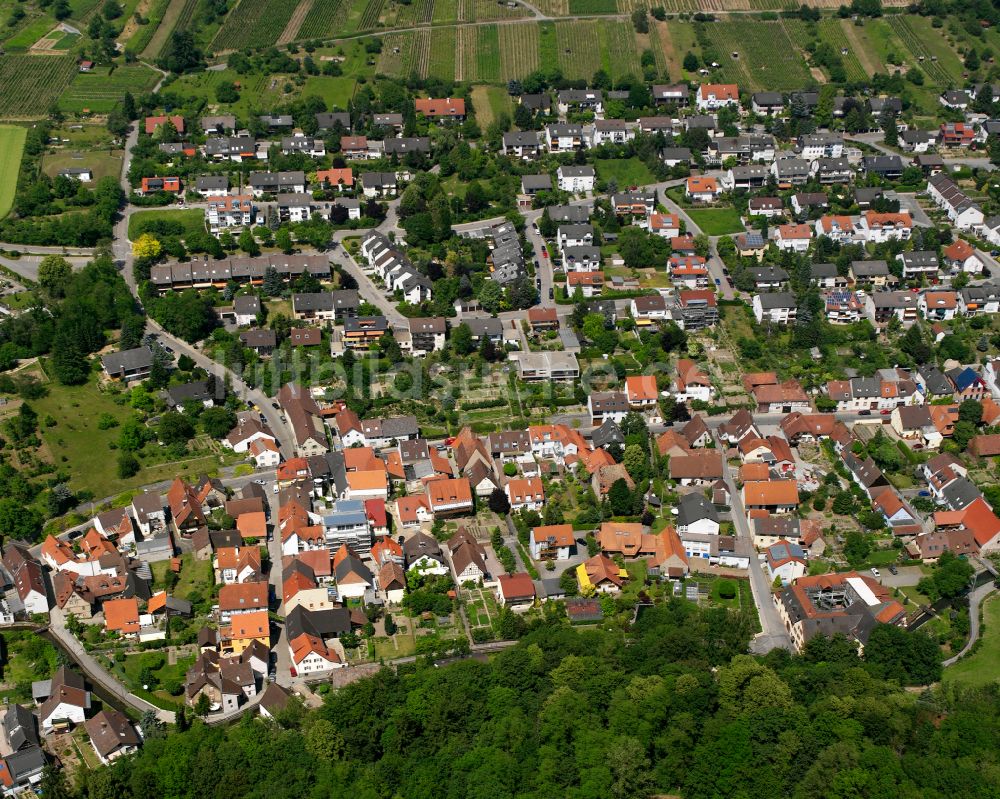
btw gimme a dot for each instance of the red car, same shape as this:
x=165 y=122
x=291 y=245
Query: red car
x=545 y=253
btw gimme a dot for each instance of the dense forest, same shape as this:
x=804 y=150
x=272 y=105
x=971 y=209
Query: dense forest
x=671 y=706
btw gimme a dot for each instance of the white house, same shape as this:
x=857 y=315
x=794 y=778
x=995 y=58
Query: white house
x=696 y=515
x=793 y=237
x=775 y=307
x=552 y=542
x=962 y=211
x=785 y=561
x=525 y=494
x=712 y=96
x=576 y=179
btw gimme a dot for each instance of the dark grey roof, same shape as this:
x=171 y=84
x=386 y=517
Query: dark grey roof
x=960 y=493
x=536 y=182
x=197 y=390
x=327 y=120
x=693 y=508
x=277 y=180
x=246 y=304
x=882 y=163
x=768 y=98
x=421 y=545
x=768 y=274
x=25 y=763
x=20 y=727
x=776 y=299
x=919 y=259
x=319 y=623
x=127 y=360
x=569 y=213
x=936 y=381
x=608 y=433
x=210 y=182
x=870 y=268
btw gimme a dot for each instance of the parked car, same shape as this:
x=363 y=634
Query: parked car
x=893 y=570
x=876 y=572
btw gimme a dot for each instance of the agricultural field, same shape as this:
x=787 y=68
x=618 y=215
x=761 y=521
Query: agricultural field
x=980 y=668
x=478 y=54
x=548 y=46
x=830 y=30
x=30 y=30
x=766 y=57
x=519 y=47
x=253 y=23
x=176 y=17
x=323 y=20
x=400 y=15
x=490 y=102
x=440 y=59
x=622 y=55
x=371 y=15
x=928 y=48
x=578 y=56
x=32 y=84
x=143 y=35
x=583 y=7
x=257 y=92
x=396 y=49
x=11 y=149
x=445 y=11
x=488 y=11
x=89 y=458
x=98 y=92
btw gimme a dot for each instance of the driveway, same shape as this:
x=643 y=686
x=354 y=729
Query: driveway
x=908 y=575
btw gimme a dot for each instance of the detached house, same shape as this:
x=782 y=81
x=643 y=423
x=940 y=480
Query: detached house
x=712 y=96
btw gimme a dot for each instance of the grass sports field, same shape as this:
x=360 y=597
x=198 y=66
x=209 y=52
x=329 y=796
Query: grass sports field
x=11 y=148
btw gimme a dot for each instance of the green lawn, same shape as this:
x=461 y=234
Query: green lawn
x=101 y=163
x=336 y=92
x=193 y=220
x=26 y=658
x=11 y=148
x=168 y=677
x=195 y=575
x=983 y=667
x=31 y=33
x=84 y=452
x=717 y=221
x=624 y=171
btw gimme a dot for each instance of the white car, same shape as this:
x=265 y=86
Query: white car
x=876 y=572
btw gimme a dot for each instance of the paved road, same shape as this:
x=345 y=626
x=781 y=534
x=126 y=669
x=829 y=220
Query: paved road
x=874 y=140
x=122 y=249
x=27 y=265
x=975 y=600
x=773 y=634
x=96 y=673
x=366 y=287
